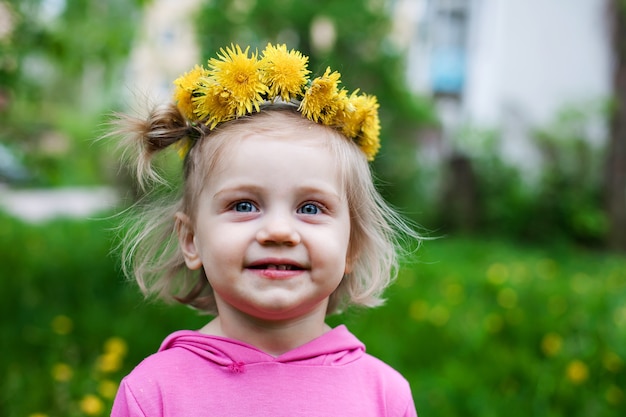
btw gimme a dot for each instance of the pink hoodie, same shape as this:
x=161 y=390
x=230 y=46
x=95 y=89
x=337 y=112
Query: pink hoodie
x=196 y=375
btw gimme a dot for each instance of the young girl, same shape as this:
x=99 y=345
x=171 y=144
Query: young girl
x=277 y=225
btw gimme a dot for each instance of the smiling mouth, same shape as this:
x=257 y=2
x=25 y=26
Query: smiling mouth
x=277 y=267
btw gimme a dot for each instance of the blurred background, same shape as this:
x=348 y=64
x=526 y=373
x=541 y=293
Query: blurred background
x=504 y=138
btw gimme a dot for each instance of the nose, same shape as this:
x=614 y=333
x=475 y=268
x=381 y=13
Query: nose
x=278 y=230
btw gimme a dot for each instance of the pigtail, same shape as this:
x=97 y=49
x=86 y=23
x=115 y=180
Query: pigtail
x=144 y=138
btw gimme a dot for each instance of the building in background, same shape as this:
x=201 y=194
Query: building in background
x=509 y=65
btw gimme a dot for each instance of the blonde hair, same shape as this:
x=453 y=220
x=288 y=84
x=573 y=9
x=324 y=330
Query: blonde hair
x=151 y=253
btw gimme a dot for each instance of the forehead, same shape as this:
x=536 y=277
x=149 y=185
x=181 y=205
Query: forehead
x=277 y=156
x=277 y=127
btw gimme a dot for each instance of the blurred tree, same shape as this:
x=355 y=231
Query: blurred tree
x=615 y=185
x=58 y=62
x=66 y=51
x=352 y=37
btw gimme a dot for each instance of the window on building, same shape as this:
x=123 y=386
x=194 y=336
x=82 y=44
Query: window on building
x=448 y=34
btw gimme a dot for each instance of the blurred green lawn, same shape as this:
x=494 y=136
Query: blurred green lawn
x=480 y=327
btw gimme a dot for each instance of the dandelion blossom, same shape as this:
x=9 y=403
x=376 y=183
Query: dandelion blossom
x=107 y=388
x=284 y=72
x=91 y=405
x=186 y=85
x=109 y=362
x=577 y=371
x=240 y=76
x=359 y=120
x=551 y=344
x=62 y=372
x=323 y=99
x=214 y=104
x=116 y=345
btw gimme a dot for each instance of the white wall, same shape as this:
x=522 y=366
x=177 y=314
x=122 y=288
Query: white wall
x=535 y=56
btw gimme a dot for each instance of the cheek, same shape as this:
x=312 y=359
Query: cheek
x=222 y=246
x=337 y=245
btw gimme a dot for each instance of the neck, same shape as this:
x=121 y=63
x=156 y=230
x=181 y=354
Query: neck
x=274 y=337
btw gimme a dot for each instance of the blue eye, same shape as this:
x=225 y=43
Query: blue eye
x=309 y=208
x=244 y=207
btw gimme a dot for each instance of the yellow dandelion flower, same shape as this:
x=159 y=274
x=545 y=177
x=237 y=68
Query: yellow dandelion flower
x=186 y=85
x=62 y=325
x=551 y=344
x=323 y=99
x=62 y=372
x=359 y=121
x=214 y=104
x=284 y=72
x=577 y=371
x=91 y=405
x=116 y=345
x=109 y=362
x=107 y=388
x=240 y=76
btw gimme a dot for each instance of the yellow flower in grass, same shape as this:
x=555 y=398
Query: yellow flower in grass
x=323 y=99
x=359 y=120
x=91 y=405
x=577 y=371
x=107 y=388
x=214 y=104
x=116 y=346
x=186 y=86
x=62 y=372
x=240 y=76
x=109 y=362
x=284 y=72
x=551 y=344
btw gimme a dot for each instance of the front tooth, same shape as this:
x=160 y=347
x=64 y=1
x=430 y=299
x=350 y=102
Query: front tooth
x=282 y=267
x=271 y=266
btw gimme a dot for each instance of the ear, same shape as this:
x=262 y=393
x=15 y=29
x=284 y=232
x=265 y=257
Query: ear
x=187 y=241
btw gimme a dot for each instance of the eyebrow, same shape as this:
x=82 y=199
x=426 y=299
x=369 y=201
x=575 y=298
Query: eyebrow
x=256 y=189
x=236 y=188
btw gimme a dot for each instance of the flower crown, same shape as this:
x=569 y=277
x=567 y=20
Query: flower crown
x=237 y=84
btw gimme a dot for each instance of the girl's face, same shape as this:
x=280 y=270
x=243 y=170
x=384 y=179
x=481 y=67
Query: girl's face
x=272 y=228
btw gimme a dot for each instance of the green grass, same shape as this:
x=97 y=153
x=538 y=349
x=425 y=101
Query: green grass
x=487 y=327
x=480 y=327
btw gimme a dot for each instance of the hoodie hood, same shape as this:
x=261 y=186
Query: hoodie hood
x=336 y=347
